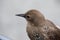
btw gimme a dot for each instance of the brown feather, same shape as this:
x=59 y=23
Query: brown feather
x=39 y=28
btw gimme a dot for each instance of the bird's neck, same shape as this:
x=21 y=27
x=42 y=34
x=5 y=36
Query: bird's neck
x=37 y=23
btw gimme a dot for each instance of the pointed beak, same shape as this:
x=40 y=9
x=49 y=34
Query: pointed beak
x=21 y=15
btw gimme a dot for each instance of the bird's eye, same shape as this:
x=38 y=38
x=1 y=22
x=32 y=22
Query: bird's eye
x=28 y=16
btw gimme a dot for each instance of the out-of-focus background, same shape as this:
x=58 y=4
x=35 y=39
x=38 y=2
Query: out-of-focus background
x=15 y=27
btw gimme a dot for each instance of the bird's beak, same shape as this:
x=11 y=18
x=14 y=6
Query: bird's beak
x=22 y=15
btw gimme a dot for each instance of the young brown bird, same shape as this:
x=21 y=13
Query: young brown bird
x=39 y=28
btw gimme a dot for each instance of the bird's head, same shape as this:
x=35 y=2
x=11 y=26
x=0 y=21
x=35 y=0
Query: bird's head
x=33 y=16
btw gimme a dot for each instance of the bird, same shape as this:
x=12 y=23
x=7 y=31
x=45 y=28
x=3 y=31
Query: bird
x=38 y=27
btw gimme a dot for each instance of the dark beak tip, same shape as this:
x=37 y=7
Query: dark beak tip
x=16 y=15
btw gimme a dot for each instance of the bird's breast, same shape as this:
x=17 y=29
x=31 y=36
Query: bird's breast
x=34 y=32
x=37 y=32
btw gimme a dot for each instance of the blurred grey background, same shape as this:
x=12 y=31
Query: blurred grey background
x=15 y=27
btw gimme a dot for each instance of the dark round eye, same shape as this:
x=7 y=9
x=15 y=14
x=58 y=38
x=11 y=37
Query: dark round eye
x=28 y=16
